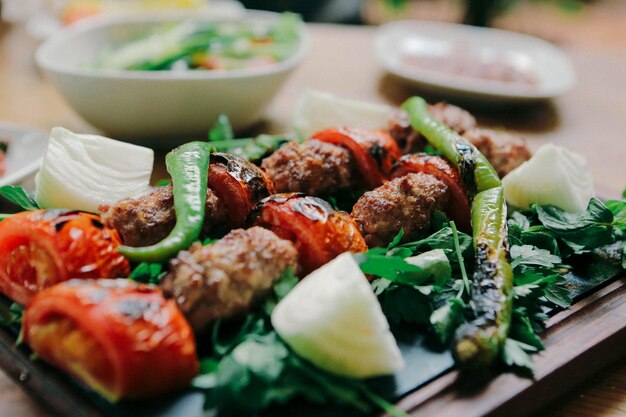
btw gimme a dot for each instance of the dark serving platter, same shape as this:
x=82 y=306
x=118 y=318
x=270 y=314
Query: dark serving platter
x=425 y=368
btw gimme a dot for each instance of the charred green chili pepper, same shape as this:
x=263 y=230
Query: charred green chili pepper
x=188 y=166
x=477 y=343
x=475 y=169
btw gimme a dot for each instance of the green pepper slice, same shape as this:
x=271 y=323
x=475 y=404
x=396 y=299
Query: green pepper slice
x=478 y=343
x=454 y=147
x=188 y=166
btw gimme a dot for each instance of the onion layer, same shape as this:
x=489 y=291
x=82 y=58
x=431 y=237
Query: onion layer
x=554 y=176
x=333 y=319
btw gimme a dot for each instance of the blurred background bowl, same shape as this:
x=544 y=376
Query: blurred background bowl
x=158 y=108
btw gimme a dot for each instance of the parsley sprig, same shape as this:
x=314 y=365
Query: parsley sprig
x=251 y=368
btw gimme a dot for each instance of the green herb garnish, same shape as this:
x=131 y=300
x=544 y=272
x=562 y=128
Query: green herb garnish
x=18 y=196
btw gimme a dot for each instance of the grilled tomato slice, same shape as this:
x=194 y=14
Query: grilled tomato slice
x=375 y=151
x=318 y=232
x=239 y=184
x=121 y=338
x=44 y=247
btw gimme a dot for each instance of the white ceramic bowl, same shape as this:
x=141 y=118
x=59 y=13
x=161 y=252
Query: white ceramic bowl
x=552 y=69
x=157 y=107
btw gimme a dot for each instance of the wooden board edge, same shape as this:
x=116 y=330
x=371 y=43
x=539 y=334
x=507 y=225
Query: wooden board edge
x=579 y=342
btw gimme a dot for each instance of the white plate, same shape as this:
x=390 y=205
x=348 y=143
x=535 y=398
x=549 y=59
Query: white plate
x=417 y=50
x=26 y=149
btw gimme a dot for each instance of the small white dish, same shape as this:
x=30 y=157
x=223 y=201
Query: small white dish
x=158 y=108
x=25 y=151
x=474 y=63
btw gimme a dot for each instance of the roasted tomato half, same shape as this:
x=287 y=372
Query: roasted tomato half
x=458 y=206
x=375 y=151
x=121 y=338
x=44 y=247
x=318 y=232
x=239 y=184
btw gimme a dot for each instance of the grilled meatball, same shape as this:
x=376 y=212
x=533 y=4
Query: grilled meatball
x=312 y=167
x=505 y=152
x=410 y=141
x=405 y=203
x=226 y=278
x=146 y=220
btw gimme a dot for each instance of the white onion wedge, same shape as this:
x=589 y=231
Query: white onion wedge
x=552 y=176
x=333 y=319
x=81 y=172
x=317 y=110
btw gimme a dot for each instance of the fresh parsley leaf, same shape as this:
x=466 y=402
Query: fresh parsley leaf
x=618 y=208
x=447 y=318
x=434 y=268
x=403 y=304
x=426 y=267
x=281 y=288
x=559 y=296
x=529 y=255
x=18 y=196
x=522 y=232
x=262 y=370
x=515 y=354
x=442 y=239
x=522 y=329
x=389 y=267
x=380 y=285
x=207 y=377
x=221 y=130
x=518 y=221
x=11 y=315
x=148 y=273
x=580 y=231
x=286 y=283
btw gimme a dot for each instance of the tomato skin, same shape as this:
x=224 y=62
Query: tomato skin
x=318 y=232
x=44 y=247
x=374 y=151
x=239 y=184
x=148 y=344
x=440 y=168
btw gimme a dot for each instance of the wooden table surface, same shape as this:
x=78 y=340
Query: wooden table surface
x=590 y=120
